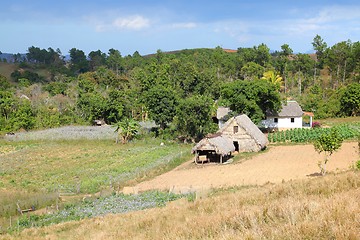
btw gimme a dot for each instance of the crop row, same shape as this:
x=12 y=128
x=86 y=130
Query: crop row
x=113 y=204
x=303 y=135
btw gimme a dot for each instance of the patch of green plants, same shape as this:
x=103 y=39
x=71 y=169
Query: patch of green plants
x=357 y=165
x=34 y=173
x=303 y=135
x=87 y=165
x=104 y=205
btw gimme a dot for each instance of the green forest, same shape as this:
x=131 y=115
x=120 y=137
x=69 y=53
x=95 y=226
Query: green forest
x=179 y=90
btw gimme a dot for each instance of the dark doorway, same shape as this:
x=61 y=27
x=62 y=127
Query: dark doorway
x=215 y=120
x=236 y=145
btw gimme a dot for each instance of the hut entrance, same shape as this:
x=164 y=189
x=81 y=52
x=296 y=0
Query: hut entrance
x=236 y=145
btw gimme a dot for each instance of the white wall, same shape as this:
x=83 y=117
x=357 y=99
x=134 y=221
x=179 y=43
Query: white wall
x=283 y=123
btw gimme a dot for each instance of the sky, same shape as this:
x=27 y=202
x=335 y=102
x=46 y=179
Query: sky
x=147 y=26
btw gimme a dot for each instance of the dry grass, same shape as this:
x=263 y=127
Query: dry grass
x=6 y=69
x=320 y=208
x=336 y=121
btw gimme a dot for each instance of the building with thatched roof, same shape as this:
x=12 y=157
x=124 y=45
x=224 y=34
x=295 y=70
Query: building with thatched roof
x=244 y=134
x=289 y=116
x=215 y=147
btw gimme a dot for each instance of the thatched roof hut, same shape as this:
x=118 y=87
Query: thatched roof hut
x=244 y=134
x=220 y=145
x=213 y=145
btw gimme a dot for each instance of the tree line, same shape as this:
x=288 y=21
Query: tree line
x=179 y=90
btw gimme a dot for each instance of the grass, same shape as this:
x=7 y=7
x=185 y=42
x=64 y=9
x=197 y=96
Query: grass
x=336 y=121
x=6 y=69
x=318 y=208
x=63 y=165
x=32 y=172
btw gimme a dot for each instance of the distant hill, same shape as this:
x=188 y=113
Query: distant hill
x=10 y=56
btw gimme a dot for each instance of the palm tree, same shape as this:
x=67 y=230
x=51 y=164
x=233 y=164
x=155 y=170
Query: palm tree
x=273 y=78
x=126 y=129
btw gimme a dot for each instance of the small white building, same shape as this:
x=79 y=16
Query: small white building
x=290 y=116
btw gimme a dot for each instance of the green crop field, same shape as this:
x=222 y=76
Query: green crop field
x=304 y=135
x=33 y=172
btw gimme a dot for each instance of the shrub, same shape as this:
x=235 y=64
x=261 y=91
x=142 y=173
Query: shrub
x=328 y=143
x=357 y=165
x=316 y=125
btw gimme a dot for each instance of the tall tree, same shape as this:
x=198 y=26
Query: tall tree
x=319 y=46
x=79 y=63
x=251 y=71
x=114 y=60
x=337 y=59
x=193 y=117
x=262 y=54
x=350 y=100
x=161 y=103
x=286 y=51
x=252 y=98
x=96 y=59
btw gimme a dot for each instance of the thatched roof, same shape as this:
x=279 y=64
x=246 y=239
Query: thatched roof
x=221 y=112
x=250 y=128
x=290 y=109
x=219 y=144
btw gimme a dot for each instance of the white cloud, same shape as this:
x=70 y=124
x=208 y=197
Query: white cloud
x=329 y=18
x=238 y=30
x=136 y=22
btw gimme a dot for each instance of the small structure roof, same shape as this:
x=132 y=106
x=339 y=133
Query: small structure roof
x=290 y=109
x=252 y=130
x=311 y=114
x=219 y=144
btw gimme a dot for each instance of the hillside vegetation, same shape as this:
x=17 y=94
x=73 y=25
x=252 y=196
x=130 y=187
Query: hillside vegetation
x=70 y=166
x=320 y=208
x=41 y=89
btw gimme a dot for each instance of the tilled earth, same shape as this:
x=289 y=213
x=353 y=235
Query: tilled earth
x=277 y=164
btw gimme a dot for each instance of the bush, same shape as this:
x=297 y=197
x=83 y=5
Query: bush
x=357 y=165
x=316 y=125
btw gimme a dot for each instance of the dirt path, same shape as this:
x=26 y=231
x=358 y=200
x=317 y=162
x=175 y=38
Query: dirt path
x=277 y=164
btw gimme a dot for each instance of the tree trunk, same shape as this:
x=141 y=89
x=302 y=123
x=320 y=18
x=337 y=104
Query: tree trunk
x=323 y=165
x=285 y=85
x=299 y=85
x=344 y=75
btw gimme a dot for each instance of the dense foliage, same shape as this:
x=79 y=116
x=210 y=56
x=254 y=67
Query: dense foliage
x=47 y=89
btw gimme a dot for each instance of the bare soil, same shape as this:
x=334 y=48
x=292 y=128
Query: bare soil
x=277 y=164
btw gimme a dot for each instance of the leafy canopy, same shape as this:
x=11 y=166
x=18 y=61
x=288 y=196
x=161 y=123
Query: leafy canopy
x=252 y=98
x=193 y=117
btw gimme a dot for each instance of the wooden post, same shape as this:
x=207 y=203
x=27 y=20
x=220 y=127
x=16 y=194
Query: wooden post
x=18 y=208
